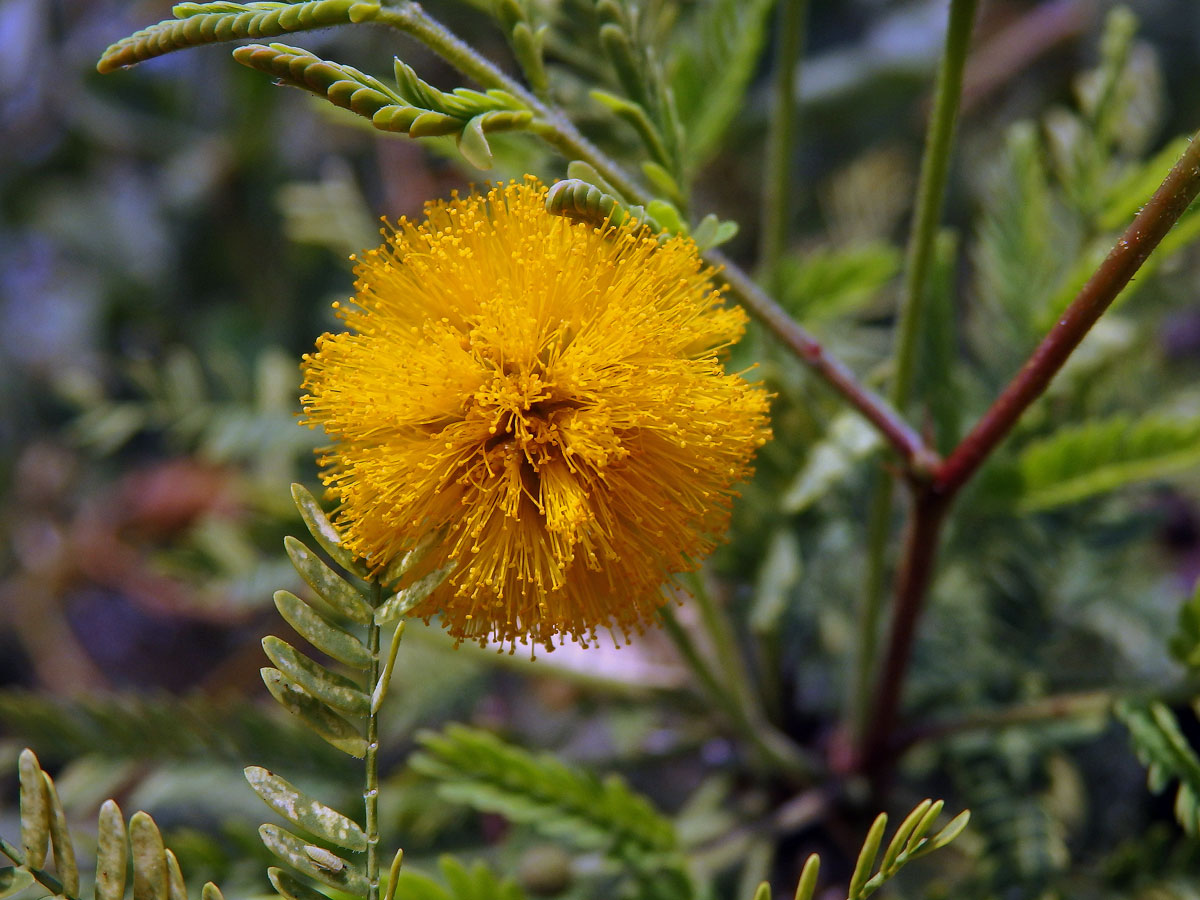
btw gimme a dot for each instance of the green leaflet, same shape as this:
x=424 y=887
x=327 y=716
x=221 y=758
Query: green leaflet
x=156 y=872
x=1185 y=642
x=335 y=590
x=413 y=107
x=329 y=687
x=1165 y=752
x=1083 y=461
x=112 y=840
x=807 y=885
x=302 y=810
x=206 y=23
x=577 y=199
x=1127 y=194
x=60 y=841
x=866 y=856
x=322 y=530
x=291 y=888
x=1017 y=271
x=327 y=638
x=328 y=868
x=35 y=810
x=176 y=889
x=315 y=714
x=830 y=461
x=149 y=859
x=404 y=600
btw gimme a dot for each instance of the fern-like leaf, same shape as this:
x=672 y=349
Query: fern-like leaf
x=912 y=840
x=461 y=883
x=827 y=283
x=44 y=834
x=710 y=79
x=1165 y=752
x=1185 y=642
x=481 y=770
x=207 y=23
x=1083 y=461
x=413 y=107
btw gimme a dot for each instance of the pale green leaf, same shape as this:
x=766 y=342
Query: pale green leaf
x=302 y=810
x=315 y=714
x=341 y=596
x=326 y=637
x=323 y=531
x=149 y=859
x=1086 y=460
x=336 y=690
x=112 y=850
x=292 y=850
x=35 y=810
x=866 y=856
x=176 y=887
x=205 y=23
x=291 y=888
x=60 y=841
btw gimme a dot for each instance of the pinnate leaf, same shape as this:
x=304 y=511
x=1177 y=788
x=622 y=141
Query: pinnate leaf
x=206 y=23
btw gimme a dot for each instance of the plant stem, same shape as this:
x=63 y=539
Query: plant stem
x=774 y=749
x=916 y=455
x=45 y=879
x=931 y=192
x=1149 y=227
x=912 y=585
x=879 y=527
x=371 y=757
x=730 y=661
x=1057 y=706
x=777 y=188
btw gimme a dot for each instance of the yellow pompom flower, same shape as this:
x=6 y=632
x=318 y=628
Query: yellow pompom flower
x=546 y=393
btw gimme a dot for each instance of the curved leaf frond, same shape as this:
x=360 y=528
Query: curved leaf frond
x=413 y=107
x=208 y=23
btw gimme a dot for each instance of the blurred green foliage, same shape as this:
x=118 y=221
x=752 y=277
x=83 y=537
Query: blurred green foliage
x=169 y=243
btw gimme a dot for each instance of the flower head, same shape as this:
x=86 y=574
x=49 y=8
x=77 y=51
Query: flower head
x=549 y=394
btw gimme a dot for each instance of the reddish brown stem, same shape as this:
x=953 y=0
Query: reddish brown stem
x=1140 y=238
x=917 y=455
x=932 y=499
x=912 y=586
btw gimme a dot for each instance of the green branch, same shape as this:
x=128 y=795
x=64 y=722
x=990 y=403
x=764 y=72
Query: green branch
x=931 y=190
x=777 y=199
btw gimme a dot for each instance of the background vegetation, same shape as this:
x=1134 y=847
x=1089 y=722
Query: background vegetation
x=170 y=240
